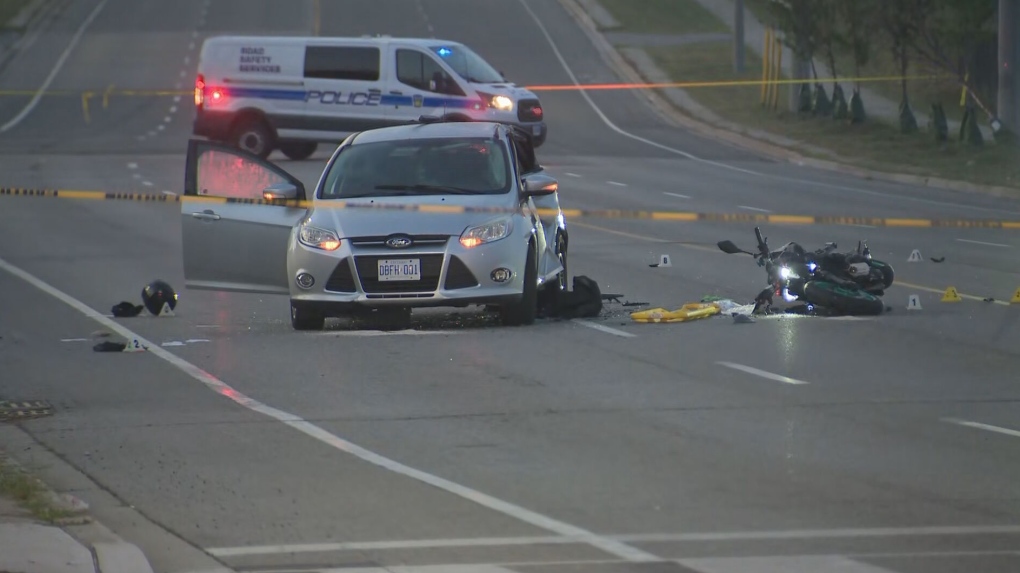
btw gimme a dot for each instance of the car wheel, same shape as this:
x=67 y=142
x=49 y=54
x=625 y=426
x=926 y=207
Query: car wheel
x=304 y=318
x=552 y=294
x=524 y=311
x=253 y=135
x=298 y=150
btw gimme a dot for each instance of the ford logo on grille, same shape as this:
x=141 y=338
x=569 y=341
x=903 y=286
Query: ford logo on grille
x=399 y=242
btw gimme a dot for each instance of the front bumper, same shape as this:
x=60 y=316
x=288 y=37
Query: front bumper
x=450 y=274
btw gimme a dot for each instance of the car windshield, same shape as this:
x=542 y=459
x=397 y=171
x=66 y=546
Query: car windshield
x=468 y=64
x=442 y=166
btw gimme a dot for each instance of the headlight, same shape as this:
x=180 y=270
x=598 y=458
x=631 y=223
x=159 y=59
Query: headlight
x=319 y=238
x=503 y=103
x=784 y=272
x=487 y=233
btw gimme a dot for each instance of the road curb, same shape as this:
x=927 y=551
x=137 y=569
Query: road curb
x=120 y=557
x=751 y=140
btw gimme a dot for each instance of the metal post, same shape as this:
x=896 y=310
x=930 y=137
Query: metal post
x=738 y=36
x=1009 y=52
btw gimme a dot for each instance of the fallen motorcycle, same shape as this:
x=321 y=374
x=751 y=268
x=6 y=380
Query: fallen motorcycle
x=848 y=283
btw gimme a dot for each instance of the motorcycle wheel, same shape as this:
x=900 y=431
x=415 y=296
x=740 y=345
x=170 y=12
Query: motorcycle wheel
x=848 y=301
x=887 y=272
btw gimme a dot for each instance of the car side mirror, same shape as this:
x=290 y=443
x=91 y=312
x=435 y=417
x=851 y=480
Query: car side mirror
x=280 y=191
x=538 y=185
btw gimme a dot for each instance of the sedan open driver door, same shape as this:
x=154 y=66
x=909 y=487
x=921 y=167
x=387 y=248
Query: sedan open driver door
x=230 y=242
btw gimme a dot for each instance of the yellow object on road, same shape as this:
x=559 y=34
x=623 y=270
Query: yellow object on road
x=688 y=312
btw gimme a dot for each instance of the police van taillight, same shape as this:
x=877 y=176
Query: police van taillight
x=199 y=90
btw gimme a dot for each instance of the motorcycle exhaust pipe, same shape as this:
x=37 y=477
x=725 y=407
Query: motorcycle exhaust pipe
x=859 y=269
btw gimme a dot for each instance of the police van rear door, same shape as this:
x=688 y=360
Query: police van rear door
x=343 y=88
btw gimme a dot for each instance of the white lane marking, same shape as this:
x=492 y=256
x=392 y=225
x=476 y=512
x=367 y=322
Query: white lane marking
x=56 y=69
x=614 y=127
x=203 y=325
x=191 y=46
x=173 y=108
x=573 y=174
x=177 y=99
x=603 y=117
x=147 y=183
x=187 y=60
x=762 y=373
x=194 y=340
x=408 y=332
x=754 y=209
x=602 y=328
x=167 y=119
x=173 y=343
x=980 y=426
x=160 y=127
x=136 y=175
x=632 y=554
x=177 y=86
x=984 y=243
x=74 y=339
x=677 y=195
x=172 y=194
x=184 y=73
x=194 y=33
x=152 y=134
x=132 y=166
x=618 y=184
x=140 y=138
x=384 y=545
x=779 y=564
x=337 y=547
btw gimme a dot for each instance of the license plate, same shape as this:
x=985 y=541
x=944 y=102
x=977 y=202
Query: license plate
x=536 y=130
x=400 y=270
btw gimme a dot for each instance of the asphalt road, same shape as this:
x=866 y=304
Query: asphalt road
x=792 y=444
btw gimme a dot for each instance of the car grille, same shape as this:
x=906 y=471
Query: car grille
x=458 y=275
x=368 y=272
x=417 y=240
x=530 y=110
x=342 y=279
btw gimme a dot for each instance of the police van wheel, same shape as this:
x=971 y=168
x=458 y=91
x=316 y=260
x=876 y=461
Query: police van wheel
x=254 y=137
x=298 y=150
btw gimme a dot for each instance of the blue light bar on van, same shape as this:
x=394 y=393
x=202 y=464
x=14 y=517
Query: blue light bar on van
x=444 y=52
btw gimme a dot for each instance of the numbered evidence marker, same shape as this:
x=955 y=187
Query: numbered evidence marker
x=134 y=345
x=662 y=261
x=166 y=310
x=915 y=257
x=914 y=302
x=951 y=295
x=1016 y=297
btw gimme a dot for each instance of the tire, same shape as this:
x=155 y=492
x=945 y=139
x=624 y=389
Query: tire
x=304 y=318
x=298 y=150
x=550 y=297
x=888 y=274
x=523 y=313
x=254 y=136
x=847 y=301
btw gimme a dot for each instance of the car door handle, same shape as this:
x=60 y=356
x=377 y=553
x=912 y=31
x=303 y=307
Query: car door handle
x=206 y=215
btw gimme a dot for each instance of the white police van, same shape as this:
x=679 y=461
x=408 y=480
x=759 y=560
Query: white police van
x=290 y=93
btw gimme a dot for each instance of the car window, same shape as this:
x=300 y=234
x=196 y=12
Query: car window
x=224 y=174
x=442 y=166
x=418 y=69
x=342 y=63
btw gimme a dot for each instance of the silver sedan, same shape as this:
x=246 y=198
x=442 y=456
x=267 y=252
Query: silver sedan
x=435 y=214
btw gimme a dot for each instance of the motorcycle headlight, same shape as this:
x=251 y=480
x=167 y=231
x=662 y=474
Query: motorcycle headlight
x=787 y=273
x=319 y=238
x=811 y=267
x=487 y=233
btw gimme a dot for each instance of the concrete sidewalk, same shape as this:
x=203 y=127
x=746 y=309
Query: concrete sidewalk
x=29 y=545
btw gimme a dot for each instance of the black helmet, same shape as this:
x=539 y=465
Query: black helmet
x=156 y=294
